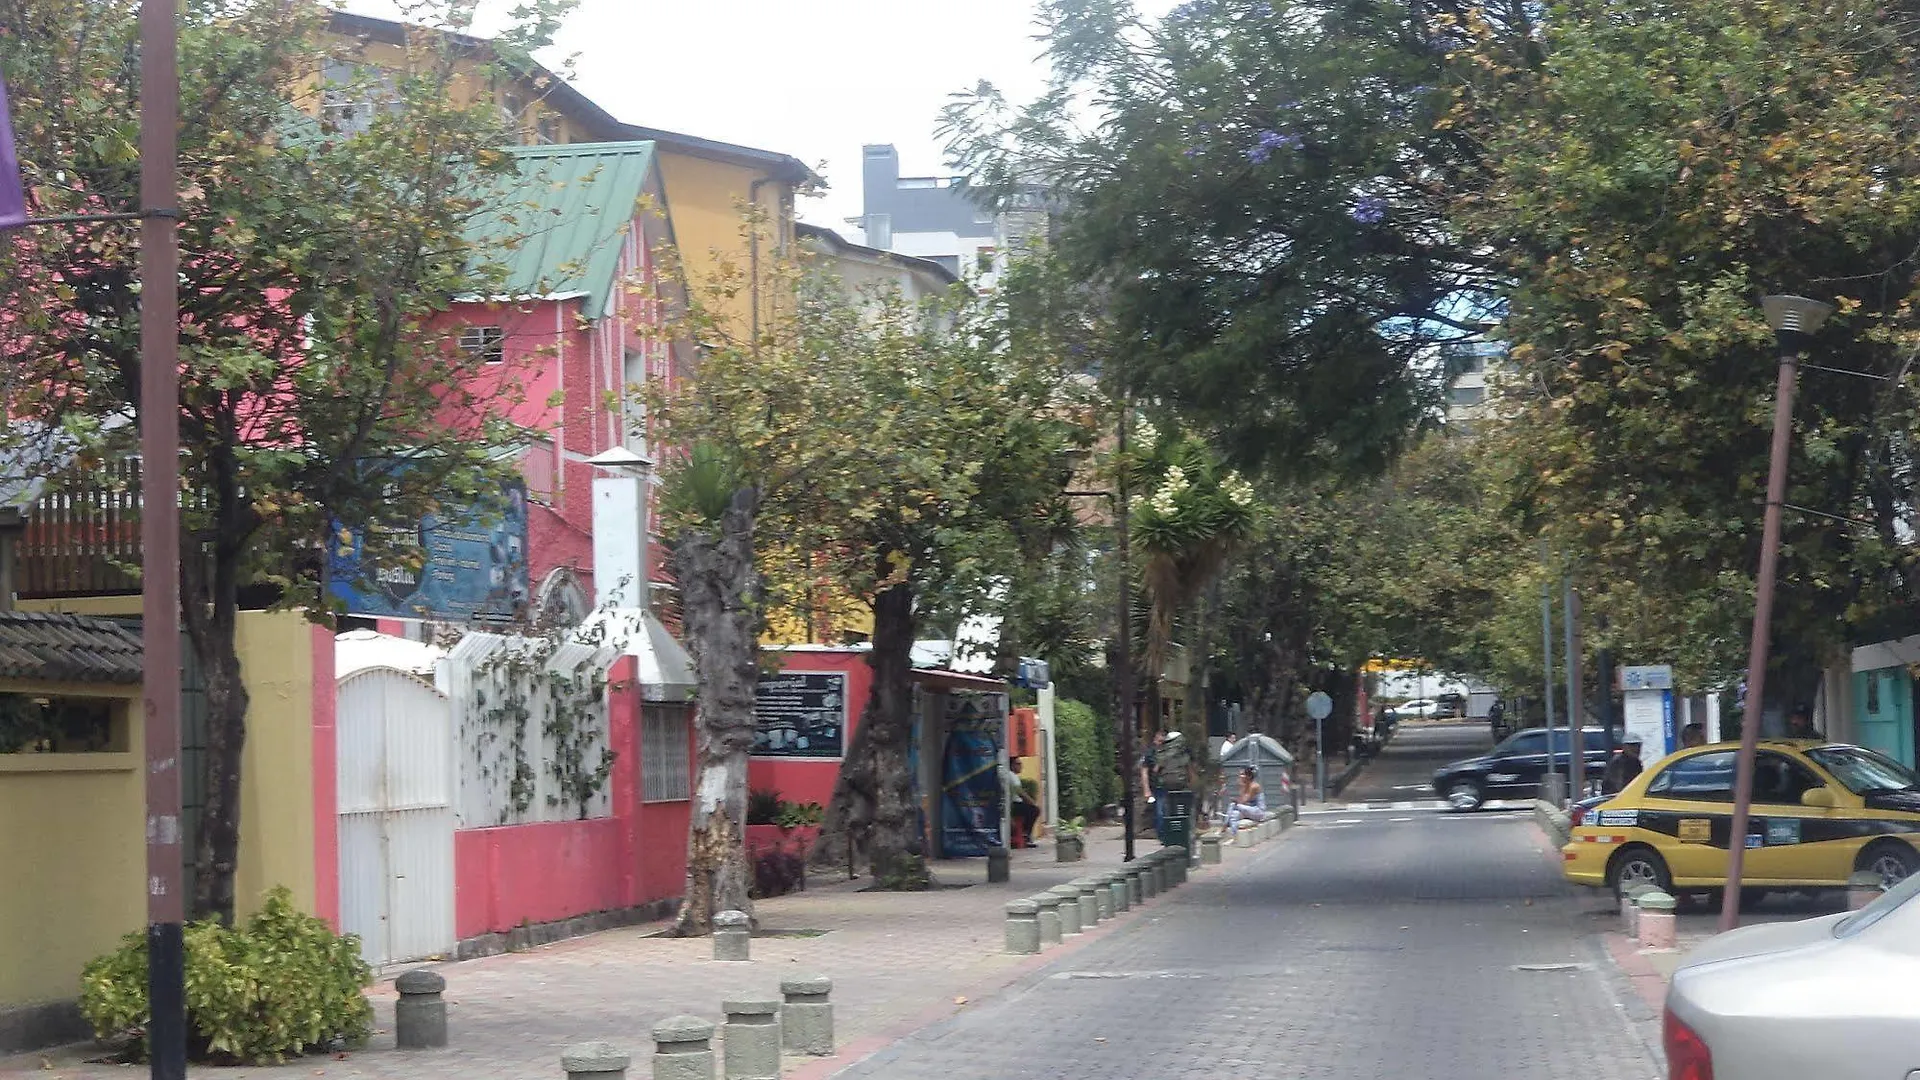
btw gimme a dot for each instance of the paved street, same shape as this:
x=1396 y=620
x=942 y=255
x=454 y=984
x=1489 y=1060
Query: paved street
x=1367 y=944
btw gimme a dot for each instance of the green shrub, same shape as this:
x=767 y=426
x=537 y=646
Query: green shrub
x=763 y=806
x=793 y=815
x=282 y=985
x=1083 y=753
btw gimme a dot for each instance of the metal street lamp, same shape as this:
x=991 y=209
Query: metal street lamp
x=1793 y=319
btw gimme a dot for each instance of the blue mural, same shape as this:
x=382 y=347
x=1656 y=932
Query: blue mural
x=475 y=567
x=970 y=791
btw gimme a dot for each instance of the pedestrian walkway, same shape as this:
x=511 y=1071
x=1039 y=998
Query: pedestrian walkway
x=898 y=961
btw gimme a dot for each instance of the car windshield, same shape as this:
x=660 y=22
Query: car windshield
x=1879 y=908
x=1863 y=771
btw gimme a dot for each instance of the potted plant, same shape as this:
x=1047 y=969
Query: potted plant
x=1070 y=840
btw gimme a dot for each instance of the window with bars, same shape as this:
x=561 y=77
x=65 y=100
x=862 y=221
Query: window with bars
x=665 y=746
x=486 y=344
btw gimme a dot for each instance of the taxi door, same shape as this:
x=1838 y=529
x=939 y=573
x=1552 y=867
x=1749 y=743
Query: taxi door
x=1689 y=803
x=1787 y=841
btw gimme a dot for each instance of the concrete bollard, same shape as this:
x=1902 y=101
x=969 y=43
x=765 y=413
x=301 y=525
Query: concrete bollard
x=420 y=1016
x=1656 y=920
x=1102 y=895
x=1149 y=882
x=595 y=1061
x=751 y=1038
x=1136 y=888
x=1162 y=873
x=1863 y=888
x=1630 y=910
x=1122 y=896
x=1269 y=829
x=1177 y=859
x=1050 y=917
x=1089 y=902
x=1245 y=836
x=1069 y=909
x=683 y=1049
x=1209 y=851
x=1023 y=927
x=806 y=1016
x=732 y=936
x=999 y=865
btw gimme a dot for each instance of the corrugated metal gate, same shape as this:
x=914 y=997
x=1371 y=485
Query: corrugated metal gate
x=396 y=782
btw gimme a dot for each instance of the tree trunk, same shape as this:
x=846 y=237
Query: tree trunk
x=722 y=607
x=210 y=603
x=874 y=821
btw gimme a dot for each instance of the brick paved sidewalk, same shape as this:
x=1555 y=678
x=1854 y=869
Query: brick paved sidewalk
x=898 y=962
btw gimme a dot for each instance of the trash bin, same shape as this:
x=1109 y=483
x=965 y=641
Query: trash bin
x=1179 y=831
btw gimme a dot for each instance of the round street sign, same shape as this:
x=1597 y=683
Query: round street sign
x=1319 y=705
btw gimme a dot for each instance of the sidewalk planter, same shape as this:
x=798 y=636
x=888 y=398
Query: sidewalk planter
x=1069 y=848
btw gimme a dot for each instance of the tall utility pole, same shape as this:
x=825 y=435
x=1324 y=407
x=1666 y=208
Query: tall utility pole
x=1546 y=655
x=1123 y=647
x=160 y=535
x=1576 y=712
x=1793 y=319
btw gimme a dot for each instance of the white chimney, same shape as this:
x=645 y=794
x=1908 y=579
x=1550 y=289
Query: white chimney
x=620 y=529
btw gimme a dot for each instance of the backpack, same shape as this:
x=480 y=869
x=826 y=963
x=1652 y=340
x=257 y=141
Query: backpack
x=1170 y=765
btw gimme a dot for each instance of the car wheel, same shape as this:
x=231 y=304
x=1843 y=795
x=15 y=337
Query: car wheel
x=1465 y=795
x=1638 y=864
x=1893 y=861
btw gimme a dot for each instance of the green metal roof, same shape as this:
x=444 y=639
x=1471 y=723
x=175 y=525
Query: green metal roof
x=558 y=224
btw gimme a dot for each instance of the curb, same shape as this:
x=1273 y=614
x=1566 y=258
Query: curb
x=1640 y=972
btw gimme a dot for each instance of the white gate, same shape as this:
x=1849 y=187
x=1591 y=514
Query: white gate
x=394 y=764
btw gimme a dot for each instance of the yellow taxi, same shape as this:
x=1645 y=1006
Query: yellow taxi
x=1821 y=811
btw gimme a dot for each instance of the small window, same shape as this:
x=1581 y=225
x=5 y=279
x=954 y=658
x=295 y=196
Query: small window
x=1703 y=776
x=486 y=344
x=1873 y=691
x=31 y=724
x=665 y=738
x=1468 y=395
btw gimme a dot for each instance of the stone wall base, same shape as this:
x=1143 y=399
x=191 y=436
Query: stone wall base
x=36 y=1027
x=528 y=935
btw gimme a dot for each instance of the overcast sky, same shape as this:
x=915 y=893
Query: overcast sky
x=815 y=80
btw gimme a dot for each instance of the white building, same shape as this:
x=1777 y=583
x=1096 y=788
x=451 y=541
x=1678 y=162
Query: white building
x=1467 y=365
x=863 y=270
x=937 y=219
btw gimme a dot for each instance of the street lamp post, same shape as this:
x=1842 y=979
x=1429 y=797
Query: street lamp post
x=1793 y=319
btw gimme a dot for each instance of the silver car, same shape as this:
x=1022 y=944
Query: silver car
x=1831 y=997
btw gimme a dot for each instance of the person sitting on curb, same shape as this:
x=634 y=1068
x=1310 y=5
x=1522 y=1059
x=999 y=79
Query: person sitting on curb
x=1250 y=805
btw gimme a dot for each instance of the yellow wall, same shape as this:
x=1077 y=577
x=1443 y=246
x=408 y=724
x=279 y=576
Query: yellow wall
x=74 y=906
x=75 y=857
x=706 y=200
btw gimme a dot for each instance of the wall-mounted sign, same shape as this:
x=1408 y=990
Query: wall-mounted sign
x=473 y=568
x=1647 y=677
x=800 y=714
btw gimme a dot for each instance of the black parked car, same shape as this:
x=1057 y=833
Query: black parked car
x=1514 y=768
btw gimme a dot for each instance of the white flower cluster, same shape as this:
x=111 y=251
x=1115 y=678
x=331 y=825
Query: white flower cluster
x=1146 y=434
x=1237 y=490
x=1163 y=501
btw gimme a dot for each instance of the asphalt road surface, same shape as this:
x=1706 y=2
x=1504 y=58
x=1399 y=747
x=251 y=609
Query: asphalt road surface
x=1374 y=941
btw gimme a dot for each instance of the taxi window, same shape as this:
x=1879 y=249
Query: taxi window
x=1703 y=776
x=1778 y=779
x=1863 y=771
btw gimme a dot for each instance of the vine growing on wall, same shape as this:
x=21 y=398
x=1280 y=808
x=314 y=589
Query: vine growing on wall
x=520 y=686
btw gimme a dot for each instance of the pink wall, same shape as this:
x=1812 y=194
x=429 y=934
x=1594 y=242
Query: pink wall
x=548 y=871
x=805 y=780
x=326 y=783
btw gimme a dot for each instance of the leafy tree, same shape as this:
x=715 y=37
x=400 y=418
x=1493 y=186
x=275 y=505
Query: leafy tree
x=1653 y=169
x=1257 y=190
x=312 y=391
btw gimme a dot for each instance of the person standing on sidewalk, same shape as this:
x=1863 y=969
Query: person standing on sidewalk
x=1025 y=812
x=1150 y=782
x=1623 y=768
